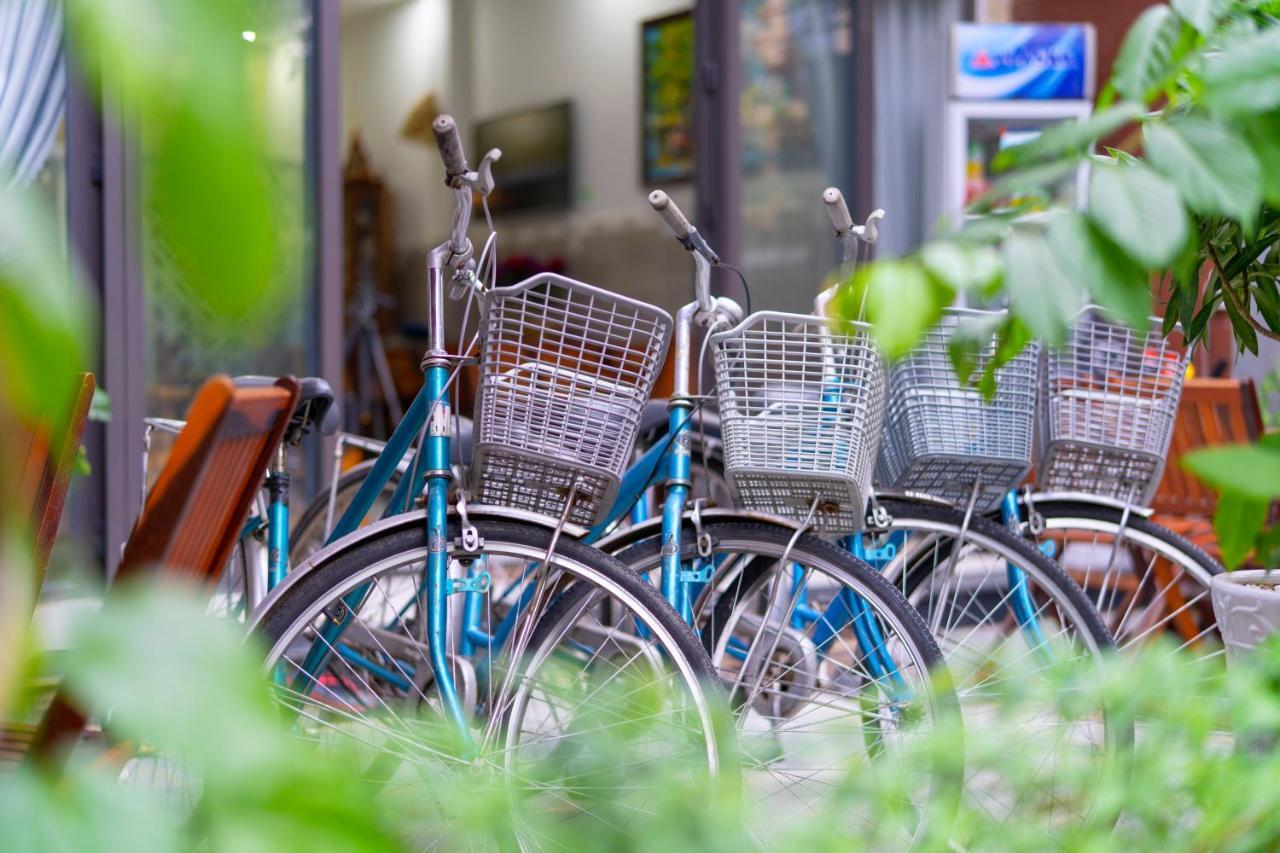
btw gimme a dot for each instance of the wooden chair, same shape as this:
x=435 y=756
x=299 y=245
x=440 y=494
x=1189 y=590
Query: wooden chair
x=193 y=515
x=47 y=460
x=44 y=460
x=1212 y=412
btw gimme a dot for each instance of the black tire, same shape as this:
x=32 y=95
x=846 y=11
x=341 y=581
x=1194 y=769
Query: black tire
x=307 y=531
x=767 y=543
x=1142 y=533
x=988 y=595
x=325 y=576
x=1059 y=584
x=301 y=602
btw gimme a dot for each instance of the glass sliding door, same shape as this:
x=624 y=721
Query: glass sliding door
x=797 y=113
x=180 y=351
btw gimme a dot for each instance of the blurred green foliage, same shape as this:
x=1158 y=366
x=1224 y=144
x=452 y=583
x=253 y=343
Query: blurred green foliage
x=179 y=73
x=187 y=687
x=1199 y=211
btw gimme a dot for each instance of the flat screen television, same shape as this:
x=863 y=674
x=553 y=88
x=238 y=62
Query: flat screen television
x=536 y=169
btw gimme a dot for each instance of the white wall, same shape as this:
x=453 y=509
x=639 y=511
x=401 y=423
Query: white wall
x=521 y=53
x=391 y=57
x=487 y=57
x=531 y=52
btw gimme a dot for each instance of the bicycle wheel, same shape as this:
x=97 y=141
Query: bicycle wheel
x=311 y=530
x=1146 y=581
x=830 y=668
x=1006 y=617
x=588 y=733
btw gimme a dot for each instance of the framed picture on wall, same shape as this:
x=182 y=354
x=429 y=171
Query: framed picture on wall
x=666 y=112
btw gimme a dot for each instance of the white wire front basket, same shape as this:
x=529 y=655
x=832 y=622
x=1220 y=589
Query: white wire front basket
x=942 y=437
x=800 y=413
x=1110 y=397
x=565 y=371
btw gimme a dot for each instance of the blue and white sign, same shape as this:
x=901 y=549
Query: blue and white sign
x=992 y=62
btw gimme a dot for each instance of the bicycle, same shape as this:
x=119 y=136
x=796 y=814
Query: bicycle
x=364 y=641
x=880 y=676
x=1109 y=398
x=985 y=593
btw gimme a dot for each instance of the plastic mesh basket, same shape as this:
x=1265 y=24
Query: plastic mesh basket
x=565 y=371
x=1110 y=399
x=800 y=412
x=941 y=437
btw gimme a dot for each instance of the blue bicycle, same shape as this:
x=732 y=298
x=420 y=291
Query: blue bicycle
x=1001 y=610
x=830 y=665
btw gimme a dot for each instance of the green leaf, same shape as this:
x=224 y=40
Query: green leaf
x=1214 y=170
x=1171 y=314
x=211 y=195
x=1011 y=339
x=1068 y=137
x=1140 y=211
x=1034 y=181
x=1244 y=77
x=1146 y=55
x=971 y=337
x=1267 y=547
x=964 y=267
x=45 y=314
x=902 y=302
x=1085 y=255
x=1237 y=523
x=1201 y=14
x=1267 y=298
x=1041 y=294
x=1253 y=470
x=1121 y=157
x=1195 y=329
x=1263 y=133
x=1246 y=336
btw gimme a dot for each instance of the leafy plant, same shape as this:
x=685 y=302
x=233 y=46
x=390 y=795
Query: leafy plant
x=177 y=76
x=1197 y=85
x=187 y=687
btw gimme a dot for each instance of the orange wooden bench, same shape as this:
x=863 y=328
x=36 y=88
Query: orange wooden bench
x=192 y=517
x=1212 y=412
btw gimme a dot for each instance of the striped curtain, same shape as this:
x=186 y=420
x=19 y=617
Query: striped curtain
x=33 y=85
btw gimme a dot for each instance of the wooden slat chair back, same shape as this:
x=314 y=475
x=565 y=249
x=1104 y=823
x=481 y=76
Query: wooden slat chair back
x=1212 y=412
x=45 y=461
x=38 y=463
x=193 y=516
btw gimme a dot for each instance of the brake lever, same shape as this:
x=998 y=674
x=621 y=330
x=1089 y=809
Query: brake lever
x=483 y=175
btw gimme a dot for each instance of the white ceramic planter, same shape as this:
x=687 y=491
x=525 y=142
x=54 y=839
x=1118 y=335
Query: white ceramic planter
x=1246 y=614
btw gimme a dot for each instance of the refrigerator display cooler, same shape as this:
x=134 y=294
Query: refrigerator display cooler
x=1010 y=82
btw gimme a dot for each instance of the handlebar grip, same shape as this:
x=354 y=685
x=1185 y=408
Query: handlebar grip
x=446 y=131
x=837 y=210
x=667 y=209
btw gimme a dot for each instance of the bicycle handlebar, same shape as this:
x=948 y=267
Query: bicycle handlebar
x=679 y=225
x=450 y=144
x=670 y=214
x=837 y=210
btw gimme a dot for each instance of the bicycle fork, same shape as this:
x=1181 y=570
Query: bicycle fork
x=1020 y=602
